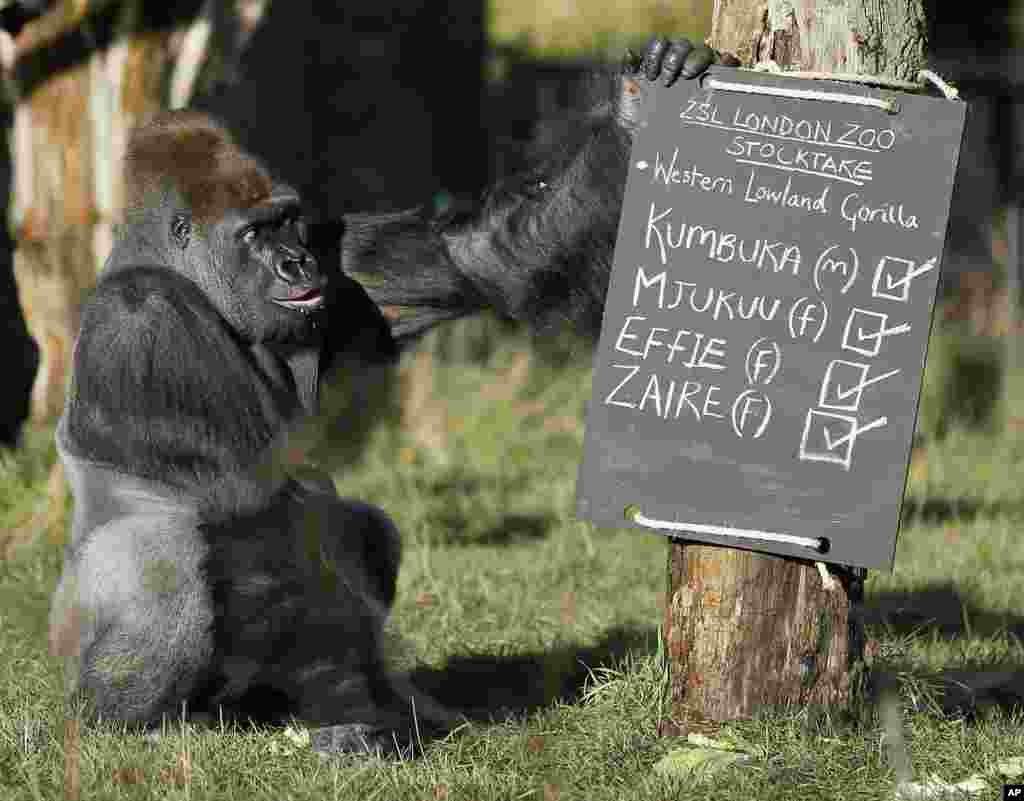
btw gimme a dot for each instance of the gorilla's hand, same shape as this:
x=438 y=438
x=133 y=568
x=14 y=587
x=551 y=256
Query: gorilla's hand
x=539 y=248
x=667 y=59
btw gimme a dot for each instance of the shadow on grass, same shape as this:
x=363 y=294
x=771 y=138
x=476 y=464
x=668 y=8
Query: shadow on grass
x=517 y=528
x=485 y=687
x=940 y=611
x=936 y=510
x=937 y=609
x=461 y=529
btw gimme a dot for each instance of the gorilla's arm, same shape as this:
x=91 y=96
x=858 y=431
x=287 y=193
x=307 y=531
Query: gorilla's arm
x=539 y=249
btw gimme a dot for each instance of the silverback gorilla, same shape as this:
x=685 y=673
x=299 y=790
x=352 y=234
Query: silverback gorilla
x=202 y=578
x=540 y=247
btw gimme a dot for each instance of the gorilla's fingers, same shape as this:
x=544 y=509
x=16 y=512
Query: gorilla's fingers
x=674 y=60
x=653 y=56
x=698 y=60
x=631 y=63
x=671 y=59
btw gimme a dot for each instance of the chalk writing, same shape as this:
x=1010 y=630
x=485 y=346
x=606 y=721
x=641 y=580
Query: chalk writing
x=841 y=134
x=767 y=315
x=699 y=351
x=807 y=318
x=829 y=437
x=667 y=398
x=716 y=301
x=764 y=359
x=832 y=262
x=751 y=409
x=844 y=383
x=865 y=331
x=856 y=211
x=666 y=234
x=668 y=173
x=790 y=158
x=893 y=277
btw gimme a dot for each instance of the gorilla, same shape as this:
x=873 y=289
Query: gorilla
x=539 y=248
x=211 y=571
x=206 y=574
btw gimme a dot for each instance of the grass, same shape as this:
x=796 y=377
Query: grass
x=546 y=629
x=593 y=27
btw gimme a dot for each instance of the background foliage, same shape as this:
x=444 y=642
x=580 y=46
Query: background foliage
x=543 y=631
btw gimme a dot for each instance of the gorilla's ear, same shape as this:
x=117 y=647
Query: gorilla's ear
x=181 y=230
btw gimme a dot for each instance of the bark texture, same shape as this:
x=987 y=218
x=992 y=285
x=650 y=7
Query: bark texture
x=80 y=78
x=877 y=37
x=70 y=127
x=747 y=631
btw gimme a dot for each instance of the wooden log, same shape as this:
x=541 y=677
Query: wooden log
x=747 y=631
x=71 y=122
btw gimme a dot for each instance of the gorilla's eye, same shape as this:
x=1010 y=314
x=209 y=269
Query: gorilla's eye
x=249 y=235
x=181 y=229
x=535 y=187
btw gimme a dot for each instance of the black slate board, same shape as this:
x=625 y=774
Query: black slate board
x=778 y=261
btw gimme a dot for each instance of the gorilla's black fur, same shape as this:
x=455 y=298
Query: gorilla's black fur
x=200 y=572
x=204 y=574
x=539 y=249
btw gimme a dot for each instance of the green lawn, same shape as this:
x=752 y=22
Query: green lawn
x=545 y=630
x=575 y=27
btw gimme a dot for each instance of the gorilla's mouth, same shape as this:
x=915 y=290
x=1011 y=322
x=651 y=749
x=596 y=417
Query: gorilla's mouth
x=304 y=300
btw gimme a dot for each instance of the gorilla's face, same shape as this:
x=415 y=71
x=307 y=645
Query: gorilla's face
x=255 y=265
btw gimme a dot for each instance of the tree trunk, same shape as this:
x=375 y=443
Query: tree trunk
x=81 y=77
x=68 y=138
x=747 y=631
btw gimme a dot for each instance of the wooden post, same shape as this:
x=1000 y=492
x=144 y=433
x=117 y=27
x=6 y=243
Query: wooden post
x=76 y=98
x=747 y=631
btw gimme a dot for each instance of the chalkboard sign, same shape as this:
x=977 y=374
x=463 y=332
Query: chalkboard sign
x=757 y=377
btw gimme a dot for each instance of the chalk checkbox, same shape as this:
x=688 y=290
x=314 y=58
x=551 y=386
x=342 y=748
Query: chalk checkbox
x=865 y=331
x=894 y=275
x=828 y=437
x=843 y=385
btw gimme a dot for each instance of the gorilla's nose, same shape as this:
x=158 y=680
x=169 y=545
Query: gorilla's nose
x=296 y=268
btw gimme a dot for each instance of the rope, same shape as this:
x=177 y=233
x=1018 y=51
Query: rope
x=890 y=106
x=924 y=77
x=927 y=76
x=817 y=544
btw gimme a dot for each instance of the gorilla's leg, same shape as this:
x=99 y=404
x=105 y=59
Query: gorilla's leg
x=132 y=617
x=370 y=709
x=372 y=541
